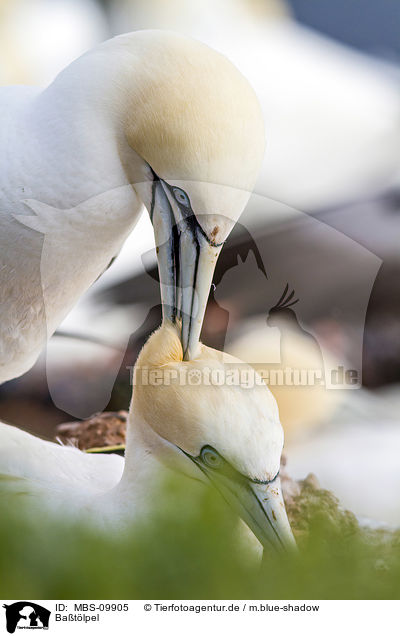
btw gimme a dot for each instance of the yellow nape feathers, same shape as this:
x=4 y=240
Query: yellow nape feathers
x=210 y=108
x=163 y=347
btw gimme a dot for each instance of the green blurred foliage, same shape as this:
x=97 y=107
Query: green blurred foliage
x=190 y=549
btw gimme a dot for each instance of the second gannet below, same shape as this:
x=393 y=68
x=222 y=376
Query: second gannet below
x=151 y=119
x=188 y=416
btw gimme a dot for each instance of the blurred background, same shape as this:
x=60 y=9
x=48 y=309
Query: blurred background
x=324 y=223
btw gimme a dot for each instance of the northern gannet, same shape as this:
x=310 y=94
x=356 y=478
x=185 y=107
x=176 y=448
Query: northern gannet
x=179 y=419
x=151 y=119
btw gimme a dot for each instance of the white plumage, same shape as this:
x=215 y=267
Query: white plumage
x=49 y=468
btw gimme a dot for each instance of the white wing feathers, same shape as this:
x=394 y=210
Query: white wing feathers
x=30 y=464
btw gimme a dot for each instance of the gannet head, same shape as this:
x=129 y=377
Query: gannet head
x=197 y=124
x=226 y=434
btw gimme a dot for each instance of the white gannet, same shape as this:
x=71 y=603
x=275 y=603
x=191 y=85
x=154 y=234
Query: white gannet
x=150 y=119
x=227 y=435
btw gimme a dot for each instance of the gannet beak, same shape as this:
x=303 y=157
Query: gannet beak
x=186 y=262
x=261 y=507
x=198 y=257
x=267 y=516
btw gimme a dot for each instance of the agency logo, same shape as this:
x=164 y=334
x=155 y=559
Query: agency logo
x=26 y=615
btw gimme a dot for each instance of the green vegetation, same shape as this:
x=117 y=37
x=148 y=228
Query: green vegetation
x=192 y=550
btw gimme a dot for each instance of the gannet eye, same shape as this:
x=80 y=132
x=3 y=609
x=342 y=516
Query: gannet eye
x=181 y=197
x=211 y=458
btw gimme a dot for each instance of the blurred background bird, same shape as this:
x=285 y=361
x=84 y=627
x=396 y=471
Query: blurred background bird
x=329 y=85
x=38 y=38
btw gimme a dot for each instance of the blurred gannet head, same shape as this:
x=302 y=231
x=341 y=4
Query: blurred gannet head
x=226 y=434
x=197 y=124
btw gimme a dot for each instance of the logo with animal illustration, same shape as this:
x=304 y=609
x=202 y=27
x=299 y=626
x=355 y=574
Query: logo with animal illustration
x=26 y=615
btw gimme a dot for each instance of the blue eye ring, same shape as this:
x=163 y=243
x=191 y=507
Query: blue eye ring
x=211 y=458
x=181 y=197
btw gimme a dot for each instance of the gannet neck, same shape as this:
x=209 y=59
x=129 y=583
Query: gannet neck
x=145 y=449
x=147 y=454
x=143 y=469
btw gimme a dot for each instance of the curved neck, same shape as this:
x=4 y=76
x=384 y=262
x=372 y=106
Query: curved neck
x=143 y=471
x=85 y=111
